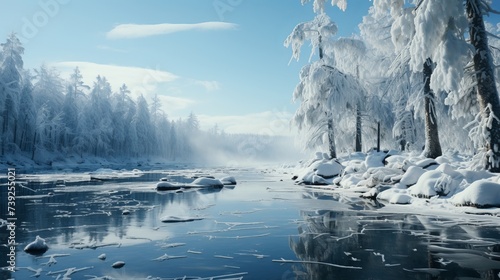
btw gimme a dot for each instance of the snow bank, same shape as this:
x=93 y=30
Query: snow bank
x=37 y=247
x=406 y=179
x=482 y=193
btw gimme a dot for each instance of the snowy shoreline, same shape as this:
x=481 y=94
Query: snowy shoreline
x=406 y=183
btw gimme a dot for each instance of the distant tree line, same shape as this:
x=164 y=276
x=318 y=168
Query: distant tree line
x=45 y=117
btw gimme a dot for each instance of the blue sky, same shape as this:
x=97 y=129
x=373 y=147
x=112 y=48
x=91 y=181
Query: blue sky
x=234 y=72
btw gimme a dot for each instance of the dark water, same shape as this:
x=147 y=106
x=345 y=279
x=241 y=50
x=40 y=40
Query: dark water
x=262 y=228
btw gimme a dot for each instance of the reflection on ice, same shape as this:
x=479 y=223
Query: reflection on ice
x=391 y=244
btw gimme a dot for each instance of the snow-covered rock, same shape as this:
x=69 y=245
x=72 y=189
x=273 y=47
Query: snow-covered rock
x=102 y=257
x=118 y=264
x=229 y=180
x=427 y=163
x=329 y=169
x=326 y=169
x=375 y=159
x=412 y=175
x=176 y=219
x=350 y=180
x=482 y=193
x=208 y=182
x=167 y=186
x=318 y=180
x=395 y=196
x=435 y=182
x=371 y=193
x=37 y=247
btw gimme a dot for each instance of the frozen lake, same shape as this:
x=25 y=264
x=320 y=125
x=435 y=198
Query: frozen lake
x=265 y=227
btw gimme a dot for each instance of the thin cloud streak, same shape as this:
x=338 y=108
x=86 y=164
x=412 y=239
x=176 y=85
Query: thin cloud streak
x=130 y=31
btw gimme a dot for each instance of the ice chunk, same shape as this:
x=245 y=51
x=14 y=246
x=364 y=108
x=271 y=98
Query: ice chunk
x=102 y=257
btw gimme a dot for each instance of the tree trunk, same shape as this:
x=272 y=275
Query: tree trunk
x=331 y=139
x=34 y=147
x=378 y=136
x=432 y=145
x=487 y=92
x=358 y=147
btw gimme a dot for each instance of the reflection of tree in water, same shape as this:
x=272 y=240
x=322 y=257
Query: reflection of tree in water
x=378 y=244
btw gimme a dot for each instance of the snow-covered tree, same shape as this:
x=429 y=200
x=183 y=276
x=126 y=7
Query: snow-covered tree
x=324 y=91
x=440 y=32
x=144 y=127
x=97 y=126
x=75 y=95
x=486 y=86
x=48 y=94
x=11 y=67
x=27 y=114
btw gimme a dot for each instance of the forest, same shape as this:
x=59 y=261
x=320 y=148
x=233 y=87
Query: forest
x=422 y=74
x=46 y=118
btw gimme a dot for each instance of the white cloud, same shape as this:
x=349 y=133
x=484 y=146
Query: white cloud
x=265 y=123
x=128 y=31
x=209 y=85
x=138 y=80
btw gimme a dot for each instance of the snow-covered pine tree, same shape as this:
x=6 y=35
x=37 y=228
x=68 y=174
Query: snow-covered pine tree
x=144 y=128
x=98 y=121
x=72 y=103
x=27 y=114
x=11 y=67
x=48 y=96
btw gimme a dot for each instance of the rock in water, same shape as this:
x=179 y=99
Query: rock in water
x=167 y=186
x=118 y=264
x=37 y=247
x=208 y=182
x=175 y=219
x=102 y=257
x=229 y=180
